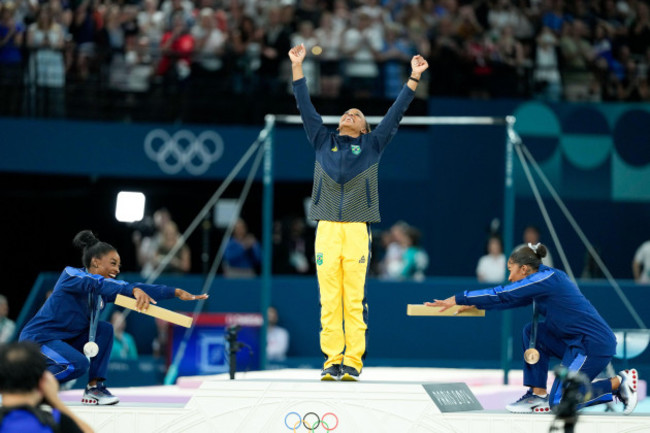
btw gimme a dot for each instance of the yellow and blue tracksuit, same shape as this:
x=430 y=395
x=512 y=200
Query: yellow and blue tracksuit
x=345 y=200
x=572 y=331
x=62 y=324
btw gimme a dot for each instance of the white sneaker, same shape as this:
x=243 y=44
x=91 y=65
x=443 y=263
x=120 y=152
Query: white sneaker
x=98 y=395
x=627 y=390
x=530 y=403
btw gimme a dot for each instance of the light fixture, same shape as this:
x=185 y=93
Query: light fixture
x=129 y=207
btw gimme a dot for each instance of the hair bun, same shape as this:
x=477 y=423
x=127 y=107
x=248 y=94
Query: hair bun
x=84 y=239
x=539 y=249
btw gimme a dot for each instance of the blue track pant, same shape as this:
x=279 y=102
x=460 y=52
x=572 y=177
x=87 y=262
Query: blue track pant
x=536 y=375
x=66 y=360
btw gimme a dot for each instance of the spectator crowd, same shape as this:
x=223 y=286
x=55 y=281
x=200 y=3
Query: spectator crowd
x=196 y=51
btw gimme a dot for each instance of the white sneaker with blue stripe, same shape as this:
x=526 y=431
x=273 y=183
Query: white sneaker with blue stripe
x=98 y=395
x=627 y=390
x=530 y=403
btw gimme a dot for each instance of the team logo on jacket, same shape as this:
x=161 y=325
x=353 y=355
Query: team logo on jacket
x=362 y=260
x=335 y=149
x=356 y=149
x=319 y=259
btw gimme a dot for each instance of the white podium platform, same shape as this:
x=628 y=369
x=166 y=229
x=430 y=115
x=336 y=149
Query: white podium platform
x=279 y=401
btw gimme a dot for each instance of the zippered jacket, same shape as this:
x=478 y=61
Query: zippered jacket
x=345 y=174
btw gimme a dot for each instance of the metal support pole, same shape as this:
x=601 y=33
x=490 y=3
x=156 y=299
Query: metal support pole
x=205 y=252
x=508 y=242
x=267 y=233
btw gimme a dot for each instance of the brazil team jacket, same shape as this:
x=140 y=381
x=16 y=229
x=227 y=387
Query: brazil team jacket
x=568 y=314
x=66 y=313
x=345 y=174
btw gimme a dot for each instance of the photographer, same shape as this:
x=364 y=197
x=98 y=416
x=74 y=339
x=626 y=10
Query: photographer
x=572 y=331
x=25 y=383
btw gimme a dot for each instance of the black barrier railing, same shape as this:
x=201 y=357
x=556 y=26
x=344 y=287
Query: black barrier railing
x=149 y=85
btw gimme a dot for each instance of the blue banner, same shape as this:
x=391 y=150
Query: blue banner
x=174 y=151
x=121 y=150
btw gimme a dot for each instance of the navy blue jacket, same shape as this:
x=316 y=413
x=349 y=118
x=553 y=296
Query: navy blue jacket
x=568 y=314
x=66 y=313
x=345 y=174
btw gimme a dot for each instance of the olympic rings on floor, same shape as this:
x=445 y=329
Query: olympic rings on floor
x=310 y=424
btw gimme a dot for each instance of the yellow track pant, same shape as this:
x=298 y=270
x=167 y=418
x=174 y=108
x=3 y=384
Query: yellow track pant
x=342 y=256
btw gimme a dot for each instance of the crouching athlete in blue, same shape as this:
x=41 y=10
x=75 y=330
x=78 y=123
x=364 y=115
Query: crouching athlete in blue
x=62 y=325
x=572 y=331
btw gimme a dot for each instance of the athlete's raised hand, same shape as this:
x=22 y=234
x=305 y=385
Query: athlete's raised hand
x=419 y=64
x=297 y=54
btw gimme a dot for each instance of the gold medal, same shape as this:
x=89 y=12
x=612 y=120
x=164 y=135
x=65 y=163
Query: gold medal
x=531 y=356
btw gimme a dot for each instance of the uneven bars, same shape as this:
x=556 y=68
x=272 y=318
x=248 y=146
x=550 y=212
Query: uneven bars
x=409 y=120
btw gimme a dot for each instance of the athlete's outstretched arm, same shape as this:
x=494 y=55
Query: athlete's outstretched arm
x=312 y=121
x=143 y=299
x=386 y=129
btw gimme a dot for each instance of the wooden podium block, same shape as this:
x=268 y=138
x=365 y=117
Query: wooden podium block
x=423 y=310
x=154 y=311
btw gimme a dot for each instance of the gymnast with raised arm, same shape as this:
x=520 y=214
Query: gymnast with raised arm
x=345 y=201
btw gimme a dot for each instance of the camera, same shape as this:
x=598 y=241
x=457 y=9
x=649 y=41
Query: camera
x=233 y=347
x=576 y=388
x=231 y=333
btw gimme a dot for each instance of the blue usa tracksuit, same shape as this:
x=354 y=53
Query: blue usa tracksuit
x=572 y=331
x=62 y=324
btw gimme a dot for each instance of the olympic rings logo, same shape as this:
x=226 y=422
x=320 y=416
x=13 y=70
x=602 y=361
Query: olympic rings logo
x=183 y=150
x=311 y=421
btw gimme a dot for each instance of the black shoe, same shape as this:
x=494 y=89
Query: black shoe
x=349 y=374
x=331 y=373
